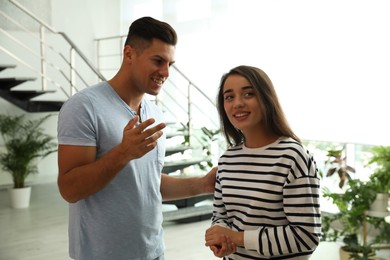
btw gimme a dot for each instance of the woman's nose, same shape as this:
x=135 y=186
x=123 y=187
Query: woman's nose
x=238 y=103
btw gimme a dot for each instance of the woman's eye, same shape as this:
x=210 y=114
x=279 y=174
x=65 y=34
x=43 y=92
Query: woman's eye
x=228 y=98
x=250 y=94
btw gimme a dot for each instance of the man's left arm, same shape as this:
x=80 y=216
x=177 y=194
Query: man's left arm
x=173 y=187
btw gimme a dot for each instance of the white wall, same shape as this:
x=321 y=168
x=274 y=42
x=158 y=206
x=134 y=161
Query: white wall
x=83 y=21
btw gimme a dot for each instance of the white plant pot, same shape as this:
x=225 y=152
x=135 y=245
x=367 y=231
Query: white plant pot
x=381 y=203
x=20 y=198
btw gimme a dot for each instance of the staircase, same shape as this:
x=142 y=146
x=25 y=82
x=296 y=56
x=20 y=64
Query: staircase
x=24 y=98
x=188 y=147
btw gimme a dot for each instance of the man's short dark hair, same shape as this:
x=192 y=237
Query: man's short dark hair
x=145 y=29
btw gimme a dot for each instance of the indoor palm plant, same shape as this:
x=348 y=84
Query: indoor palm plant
x=24 y=141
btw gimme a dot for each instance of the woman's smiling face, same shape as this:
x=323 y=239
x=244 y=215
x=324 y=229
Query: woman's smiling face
x=241 y=104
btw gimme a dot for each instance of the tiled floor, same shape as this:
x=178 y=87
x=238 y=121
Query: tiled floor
x=40 y=232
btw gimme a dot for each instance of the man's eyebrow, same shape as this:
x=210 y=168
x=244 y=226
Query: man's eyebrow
x=159 y=57
x=162 y=58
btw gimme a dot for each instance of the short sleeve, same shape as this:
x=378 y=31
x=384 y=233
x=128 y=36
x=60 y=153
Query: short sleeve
x=77 y=122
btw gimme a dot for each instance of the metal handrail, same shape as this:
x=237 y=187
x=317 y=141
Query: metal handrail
x=82 y=56
x=73 y=50
x=193 y=84
x=64 y=35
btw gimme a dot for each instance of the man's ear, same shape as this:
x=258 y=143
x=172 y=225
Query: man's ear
x=128 y=53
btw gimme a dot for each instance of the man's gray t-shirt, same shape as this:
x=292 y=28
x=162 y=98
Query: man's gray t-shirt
x=124 y=219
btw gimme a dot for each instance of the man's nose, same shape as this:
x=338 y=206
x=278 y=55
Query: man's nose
x=164 y=71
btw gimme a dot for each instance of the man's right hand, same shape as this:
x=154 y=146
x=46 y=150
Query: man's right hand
x=139 y=139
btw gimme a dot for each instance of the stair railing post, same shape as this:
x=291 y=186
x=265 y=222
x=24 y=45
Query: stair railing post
x=121 y=43
x=43 y=57
x=189 y=113
x=72 y=75
x=98 y=55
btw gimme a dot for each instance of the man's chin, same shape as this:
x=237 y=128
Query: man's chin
x=154 y=92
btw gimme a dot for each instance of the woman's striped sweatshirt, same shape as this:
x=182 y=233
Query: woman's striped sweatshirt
x=272 y=194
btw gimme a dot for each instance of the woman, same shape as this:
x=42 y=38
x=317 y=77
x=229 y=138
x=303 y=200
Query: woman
x=266 y=199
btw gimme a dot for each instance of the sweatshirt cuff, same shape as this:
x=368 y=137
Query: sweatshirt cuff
x=251 y=240
x=221 y=225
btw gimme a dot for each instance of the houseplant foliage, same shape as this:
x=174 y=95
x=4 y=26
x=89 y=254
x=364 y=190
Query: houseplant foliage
x=381 y=176
x=204 y=137
x=353 y=206
x=338 y=164
x=25 y=141
x=380 y=179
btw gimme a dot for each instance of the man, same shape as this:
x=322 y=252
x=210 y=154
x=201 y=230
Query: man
x=111 y=153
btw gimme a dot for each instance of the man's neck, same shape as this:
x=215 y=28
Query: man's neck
x=130 y=97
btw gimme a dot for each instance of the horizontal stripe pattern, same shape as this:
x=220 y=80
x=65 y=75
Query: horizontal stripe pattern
x=275 y=191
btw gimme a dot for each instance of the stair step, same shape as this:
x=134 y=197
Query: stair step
x=178 y=165
x=22 y=98
x=189 y=214
x=189 y=202
x=174 y=134
x=7 y=66
x=31 y=105
x=45 y=106
x=27 y=94
x=8 y=83
x=176 y=149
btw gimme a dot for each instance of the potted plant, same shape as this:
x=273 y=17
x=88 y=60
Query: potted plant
x=350 y=223
x=24 y=141
x=380 y=179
